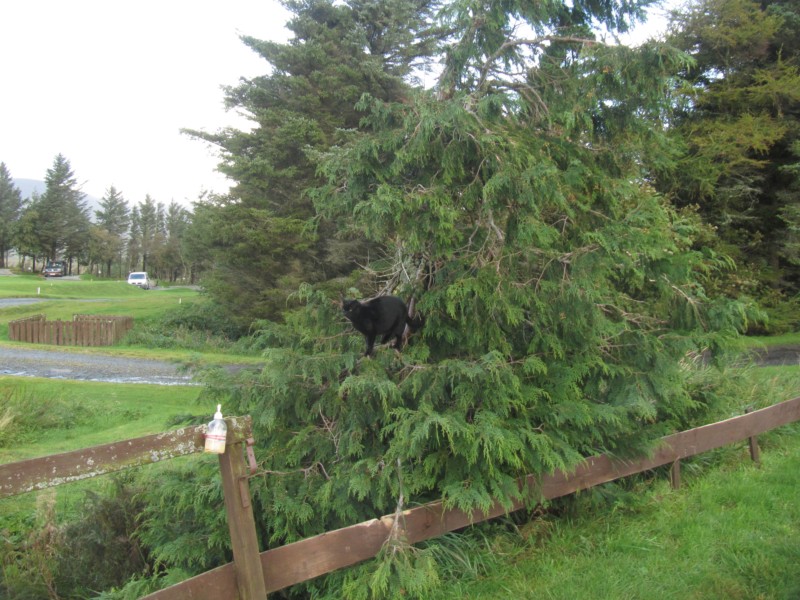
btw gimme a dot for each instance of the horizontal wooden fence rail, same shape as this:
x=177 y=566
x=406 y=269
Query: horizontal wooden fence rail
x=327 y=552
x=247 y=577
x=56 y=469
x=83 y=330
x=253 y=575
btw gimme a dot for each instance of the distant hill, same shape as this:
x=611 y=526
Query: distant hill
x=28 y=186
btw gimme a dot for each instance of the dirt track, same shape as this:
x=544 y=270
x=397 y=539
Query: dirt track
x=60 y=364
x=777 y=356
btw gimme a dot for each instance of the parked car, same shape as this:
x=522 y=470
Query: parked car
x=55 y=268
x=142 y=279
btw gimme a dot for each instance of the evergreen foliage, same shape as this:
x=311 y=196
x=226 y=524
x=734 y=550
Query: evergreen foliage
x=101 y=550
x=740 y=130
x=10 y=207
x=112 y=222
x=183 y=523
x=564 y=299
x=265 y=239
x=150 y=229
x=63 y=222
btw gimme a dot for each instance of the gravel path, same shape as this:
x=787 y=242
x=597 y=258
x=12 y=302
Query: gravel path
x=59 y=364
x=777 y=356
x=63 y=364
x=6 y=302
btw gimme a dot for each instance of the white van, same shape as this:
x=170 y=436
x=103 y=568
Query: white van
x=142 y=279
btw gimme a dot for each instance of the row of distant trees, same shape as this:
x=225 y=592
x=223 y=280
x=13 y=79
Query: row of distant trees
x=111 y=241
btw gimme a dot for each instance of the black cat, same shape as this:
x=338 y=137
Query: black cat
x=384 y=315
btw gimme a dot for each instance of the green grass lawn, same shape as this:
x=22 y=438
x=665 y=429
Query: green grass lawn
x=732 y=533
x=63 y=298
x=48 y=416
x=34 y=286
x=39 y=417
x=786 y=339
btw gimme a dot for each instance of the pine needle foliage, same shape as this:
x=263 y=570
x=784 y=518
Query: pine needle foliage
x=564 y=299
x=183 y=522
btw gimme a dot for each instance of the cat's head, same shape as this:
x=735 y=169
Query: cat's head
x=351 y=308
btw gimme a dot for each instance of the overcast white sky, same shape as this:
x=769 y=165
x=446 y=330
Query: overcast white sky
x=109 y=84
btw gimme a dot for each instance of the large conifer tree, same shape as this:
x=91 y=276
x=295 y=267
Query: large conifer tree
x=265 y=240
x=63 y=225
x=113 y=218
x=563 y=298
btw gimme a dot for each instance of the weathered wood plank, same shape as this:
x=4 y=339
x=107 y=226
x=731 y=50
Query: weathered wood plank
x=241 y=523
x=83 y=330
x=309 y=558
x=217 y=584
x=49 y=471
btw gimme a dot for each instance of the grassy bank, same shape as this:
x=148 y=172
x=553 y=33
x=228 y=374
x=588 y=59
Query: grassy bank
x=35 y=286
x=733 y=533
x=60 y=299
x=39 y=417
x=47 y=416
x=786 y=339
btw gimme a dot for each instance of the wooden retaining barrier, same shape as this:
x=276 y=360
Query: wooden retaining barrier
x=252 y=575
x=83 y=330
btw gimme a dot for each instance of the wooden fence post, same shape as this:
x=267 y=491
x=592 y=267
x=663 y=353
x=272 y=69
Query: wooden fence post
x=755 y=451
x=242 y=525
x=675 y=475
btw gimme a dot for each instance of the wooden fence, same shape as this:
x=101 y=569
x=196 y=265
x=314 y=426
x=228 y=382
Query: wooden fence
x=83 y=330
x=252 y=575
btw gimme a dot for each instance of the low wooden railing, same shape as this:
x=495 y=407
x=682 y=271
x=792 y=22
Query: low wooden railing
x=252 y=574
x=83 y=330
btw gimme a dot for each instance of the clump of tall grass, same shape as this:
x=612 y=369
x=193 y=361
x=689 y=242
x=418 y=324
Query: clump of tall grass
x=23 y=414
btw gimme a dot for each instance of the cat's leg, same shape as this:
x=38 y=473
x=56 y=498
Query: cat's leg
x=370 y=344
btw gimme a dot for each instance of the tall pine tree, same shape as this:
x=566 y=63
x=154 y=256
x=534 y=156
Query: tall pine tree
x=741 y=132
x=10 y=209
x=62 y=228
x=113 y=218
x=265 y=237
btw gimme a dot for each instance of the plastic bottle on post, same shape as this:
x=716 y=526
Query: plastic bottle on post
x=216 y=433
